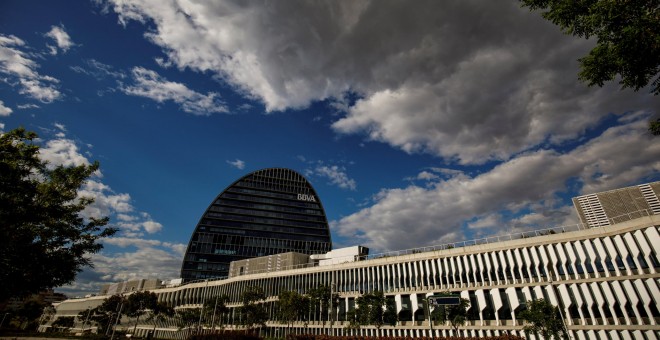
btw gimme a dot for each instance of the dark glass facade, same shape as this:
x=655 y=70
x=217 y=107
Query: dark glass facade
x=266 y=212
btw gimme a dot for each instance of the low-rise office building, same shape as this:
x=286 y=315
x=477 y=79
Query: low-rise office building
x=605 y=281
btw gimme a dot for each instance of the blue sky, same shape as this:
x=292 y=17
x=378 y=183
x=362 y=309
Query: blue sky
x=417 y=125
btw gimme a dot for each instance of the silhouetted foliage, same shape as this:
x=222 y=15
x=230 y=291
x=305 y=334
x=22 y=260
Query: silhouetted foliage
x=627 y=38
x=106 y=314
x=44 y=241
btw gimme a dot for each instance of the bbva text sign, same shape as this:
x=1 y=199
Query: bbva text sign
x=305 y=197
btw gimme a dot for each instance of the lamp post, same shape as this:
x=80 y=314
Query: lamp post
x=201 y=310
x=214 y=308
x=332 y=311
x=121 y=306
x=3 y=319
x=82 y=328
x=561 y=314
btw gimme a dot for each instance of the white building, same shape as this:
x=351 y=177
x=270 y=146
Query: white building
x=605 y=281
x=600 y=208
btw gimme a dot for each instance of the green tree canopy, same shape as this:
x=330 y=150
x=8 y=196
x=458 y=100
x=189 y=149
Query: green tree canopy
x=253 y=313
x=320 y=301
x=65 y=322
x=627 y=38
x=543 y=318
x=139 y=304
x=216 y=308
x=390 y=316
x=188 y=317
x=106 y=314
x=44 y=239
x=369 y=311
x=654 y=127
x=455 y=314
x=292 y=306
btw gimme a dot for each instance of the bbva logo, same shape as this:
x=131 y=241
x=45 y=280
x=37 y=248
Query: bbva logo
x=305 y=197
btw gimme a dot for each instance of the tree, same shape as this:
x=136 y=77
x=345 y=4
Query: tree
x=654 y=127
x=455 y=314
x=320 y=300
x=252 y=311
x=188 y=317
x=29 y=312
x=369 y=310
x=627 y=38
x=106 y=314
x=140 y=303
x=217 y=307
x=390 y=316
x=543 y=318
x=64 y=323
x=160 y=312
x=44 y=240
x=292 y=306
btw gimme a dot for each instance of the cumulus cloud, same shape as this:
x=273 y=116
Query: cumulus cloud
x=525 y=186
x=425 y=81
x=4 y=111
x=141 y=257
x=62 y=151
x=22 y=71
x=62 y=39
x=137 y=259
x=150 y=84
x=238 y=164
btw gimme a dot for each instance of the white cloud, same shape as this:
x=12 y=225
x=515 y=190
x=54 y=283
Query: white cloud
x=131 y=242
x=142 y=258
x=17 y=64
x=98 y=70
x=151 y=226
x=425 y=81
x=61 y=38
x=63 y=152
x=337 y=176
x=424 y=176
x=27 y=106
x=413 y=216
x=238 y=164
x=151 y=258
x=488 y=221
x=60 y=127
x=150 y=84
x=4 y=111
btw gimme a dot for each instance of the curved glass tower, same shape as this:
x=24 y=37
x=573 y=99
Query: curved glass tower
x=266 y=212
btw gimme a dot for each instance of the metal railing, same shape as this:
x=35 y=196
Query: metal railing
x=447 y=246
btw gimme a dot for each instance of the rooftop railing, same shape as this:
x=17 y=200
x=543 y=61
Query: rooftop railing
x=446 y=246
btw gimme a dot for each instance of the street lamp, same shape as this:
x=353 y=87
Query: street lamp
x=332 y=311
x=82 y=328
x=561 y=314
x=117 y=321
x=3 y=319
